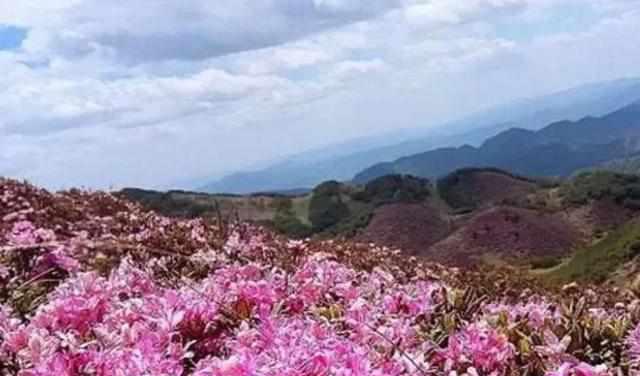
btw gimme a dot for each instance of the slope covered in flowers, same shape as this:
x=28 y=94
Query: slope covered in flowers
x=92 y=285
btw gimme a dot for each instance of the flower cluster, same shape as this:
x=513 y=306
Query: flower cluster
x=93 y=285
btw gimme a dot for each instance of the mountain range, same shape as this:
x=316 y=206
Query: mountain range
x=343 y=161
x=557 y=150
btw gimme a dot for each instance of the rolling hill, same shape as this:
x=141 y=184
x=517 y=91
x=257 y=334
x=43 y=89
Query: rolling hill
x=256 y=207
x=470 y=217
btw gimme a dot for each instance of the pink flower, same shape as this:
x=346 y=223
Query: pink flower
x=5 y=272
x=633 y=345
x=580 y=369
x=260 y=306
x=478 y=346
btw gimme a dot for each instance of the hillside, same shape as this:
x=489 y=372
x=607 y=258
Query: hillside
x=416 y=227
x=342 y=162
x=559 y=149
x=330 y=209
x=486 y=216
x=472 y=188
x=599 y=261
x=284 y=213
x=92 y=284
x=409 y=227
x=472 y=216
x=508 y=235
x=255 y=207
x=629 y=165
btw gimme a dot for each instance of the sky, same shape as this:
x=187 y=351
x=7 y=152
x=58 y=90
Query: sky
x=155 y=93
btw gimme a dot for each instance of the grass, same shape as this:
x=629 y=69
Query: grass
x=546 y=262
x=599 y=261
x=301 y=208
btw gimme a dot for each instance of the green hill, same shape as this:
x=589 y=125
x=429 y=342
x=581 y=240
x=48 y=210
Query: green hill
x=624 y=189
x=598 y=262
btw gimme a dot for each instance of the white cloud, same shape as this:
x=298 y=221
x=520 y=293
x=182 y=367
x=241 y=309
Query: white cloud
x=350 y=69
x=437 y=13
x=27 y=13
x=150 y=30
x=57 y=104
x=155 y=91
x=284 y=58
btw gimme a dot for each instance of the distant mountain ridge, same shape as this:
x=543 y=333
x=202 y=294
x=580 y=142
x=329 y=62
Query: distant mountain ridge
x=559 y=149
x=342 y=162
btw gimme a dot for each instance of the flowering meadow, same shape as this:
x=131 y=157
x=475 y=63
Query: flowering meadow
x=93 y=285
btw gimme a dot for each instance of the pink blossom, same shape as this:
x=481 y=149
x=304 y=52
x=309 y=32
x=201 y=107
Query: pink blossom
x=580 y=369
x=633 y=345
x=232 y=307
x=478 y=346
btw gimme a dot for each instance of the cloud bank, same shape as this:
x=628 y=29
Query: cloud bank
x=151 y=92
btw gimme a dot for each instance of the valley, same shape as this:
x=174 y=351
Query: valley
x=473 y=217
x=560 y=203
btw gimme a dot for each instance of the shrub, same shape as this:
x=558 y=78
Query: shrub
x=598 y=185
x=327 y=207
x=633 y=204
x=282 y=204
x=351 y=226
x=291 y=226
x=396 y=188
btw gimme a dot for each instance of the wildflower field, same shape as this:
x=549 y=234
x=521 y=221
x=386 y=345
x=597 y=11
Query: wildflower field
x=93 y=285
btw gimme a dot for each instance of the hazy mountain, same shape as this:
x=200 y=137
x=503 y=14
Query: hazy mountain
x=342 y=161
x=308 y=170
x=556 y=150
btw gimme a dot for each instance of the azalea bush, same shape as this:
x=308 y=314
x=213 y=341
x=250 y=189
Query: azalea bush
x=93 y=285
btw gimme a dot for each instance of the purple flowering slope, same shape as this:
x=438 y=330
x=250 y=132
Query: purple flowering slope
x=92 y=285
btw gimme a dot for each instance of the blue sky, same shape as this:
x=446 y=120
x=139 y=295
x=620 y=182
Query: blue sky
x=147 y=93
x=570 y=17
x=11 y=37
